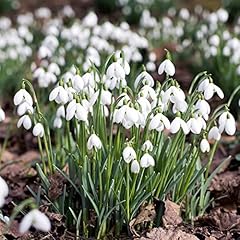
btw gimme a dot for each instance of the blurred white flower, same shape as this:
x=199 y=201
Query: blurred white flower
x=36 y=219
x=26 y=121
x=57 y=123
x=204 y=145
x=94 y=142
x=2 y=115
x=90 y=20
x=222 y=15
x=38 y=130
x=166 y=66
x=129 y=154
x=3 y=191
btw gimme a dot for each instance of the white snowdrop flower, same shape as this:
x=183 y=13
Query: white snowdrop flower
x=166 y=66
x=222 y=15
x=44 y=52
x=77 y=110
x=90 y=20
x=94 y=142
x=24 y=108
x=203 y=107
x=43 y=12
x=147 y=146
x=209 y=88
x=61 y=112
x=178 y=123
x=213 y=51
x=68 y=11
x=59 y=94
x=196 y=124
x=106 y=97
x=227 y=122
x=214 y=40
x=214 y=134
x=2 y=115
x=129 y=154
x=144 y=78
x=145 y=106
x=147 y=160
x=36 y=219
x=57 y=123
x=204 y=145
x=26 y=121
x=159 y=122
x=38 y=130
x=22 y=96
x=78 y=83
x=179 y=106
x=135 y=167
x=115 y=75
x=3 y=191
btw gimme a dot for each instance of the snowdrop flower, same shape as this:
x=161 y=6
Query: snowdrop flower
x=178 y=123
x=147 y=146
x=59 y=94
x=135 y=167
x=129 y=154
x=106 y=97
x=25 y=120
x=159 y=122
x=168 y=67
x=144 y=78
x=78 y=83
x=94 y=142
x=147 y=160
x=22 y=96
x=24 y=108
x=2 y=115
x=227 y=122
x=3 y=191
x=38 y=130
x=214 y=40
x=196 y=124
x=204 y=145
x=214 y=134
x=203 y=108
x=128 y=116
x=125 y=65
x=77 y=110
x=61 y=112
x=209 y=88
x=115 y=75
x=36 y=219
x=57 y=123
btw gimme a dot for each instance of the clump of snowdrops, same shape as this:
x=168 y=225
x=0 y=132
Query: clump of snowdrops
x=119 y=147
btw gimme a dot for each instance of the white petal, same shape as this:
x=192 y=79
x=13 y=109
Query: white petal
x=175 y=125
x=135 y=168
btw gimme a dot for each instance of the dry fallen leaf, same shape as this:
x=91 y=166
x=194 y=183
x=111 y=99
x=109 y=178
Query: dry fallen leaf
x=147 y=214
x=172 y=216
x=168 y=234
